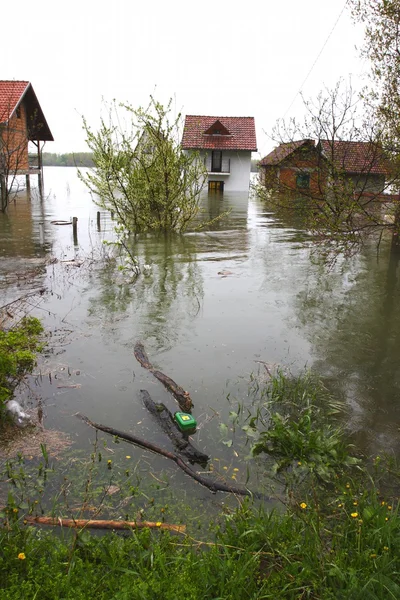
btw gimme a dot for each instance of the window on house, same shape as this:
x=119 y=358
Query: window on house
x=303 y=180
x=216 y=161
x=18 y=112
x=215 y=186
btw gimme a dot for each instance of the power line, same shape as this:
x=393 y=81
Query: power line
x=316 y=60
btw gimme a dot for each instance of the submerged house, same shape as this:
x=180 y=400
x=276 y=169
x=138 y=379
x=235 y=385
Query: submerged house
x=21 y=121
x=225 y=145
x=306 y=167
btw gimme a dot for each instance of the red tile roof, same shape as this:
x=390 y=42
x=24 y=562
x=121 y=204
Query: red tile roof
x=355 y=157
x=282 y=151
x=11 y=93
x=242 y=133
x=350 y=157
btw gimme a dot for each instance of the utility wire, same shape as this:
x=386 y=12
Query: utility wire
x=316 y=60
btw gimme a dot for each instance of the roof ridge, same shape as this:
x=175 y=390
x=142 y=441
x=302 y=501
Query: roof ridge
x=219 y=117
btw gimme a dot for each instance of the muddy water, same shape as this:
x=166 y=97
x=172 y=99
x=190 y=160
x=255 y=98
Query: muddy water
x=213 y=304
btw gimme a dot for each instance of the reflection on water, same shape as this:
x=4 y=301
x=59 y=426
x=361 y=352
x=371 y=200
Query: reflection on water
x=215 y=301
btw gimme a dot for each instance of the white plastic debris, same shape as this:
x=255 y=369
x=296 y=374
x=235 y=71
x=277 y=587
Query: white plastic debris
x=14 y=409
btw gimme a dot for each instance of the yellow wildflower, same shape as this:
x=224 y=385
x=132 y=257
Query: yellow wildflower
x=225 y=468
x=21 y=556
x=303 y=505
x=372 y=555
x=347 y=485
x=158 y=524
x=354 y=515
x=15 y=510
x=385 y=548
x=236 y=470
x=389 y=508
x=355 y=503
x=127 y=456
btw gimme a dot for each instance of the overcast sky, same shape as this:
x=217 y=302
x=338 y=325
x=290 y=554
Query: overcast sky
x=214 y=58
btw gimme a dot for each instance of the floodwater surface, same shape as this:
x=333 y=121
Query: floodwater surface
x=214 y=305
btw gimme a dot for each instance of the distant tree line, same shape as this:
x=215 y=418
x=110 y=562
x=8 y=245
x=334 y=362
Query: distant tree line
x=69 y=159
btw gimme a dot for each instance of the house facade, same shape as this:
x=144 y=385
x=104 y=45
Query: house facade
x=225 y=145
x=307 y=167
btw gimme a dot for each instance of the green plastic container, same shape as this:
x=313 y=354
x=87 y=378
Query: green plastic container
x=185 y=422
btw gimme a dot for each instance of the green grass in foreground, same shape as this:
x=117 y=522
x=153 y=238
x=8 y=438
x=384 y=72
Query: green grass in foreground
x=349 y=548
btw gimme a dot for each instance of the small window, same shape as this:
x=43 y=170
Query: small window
x=303 y=180
x=215 y=186
x=18 y=112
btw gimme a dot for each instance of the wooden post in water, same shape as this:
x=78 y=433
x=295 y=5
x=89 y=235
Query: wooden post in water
x=98 y=220
x=28 y=185
x=75 y=229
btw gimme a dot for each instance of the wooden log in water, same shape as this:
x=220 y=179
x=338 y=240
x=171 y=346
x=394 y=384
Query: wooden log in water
x=169 y=426
x=214 y=486
x=183 y=398
x=101 y=524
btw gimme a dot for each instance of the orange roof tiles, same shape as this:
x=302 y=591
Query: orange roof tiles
x=11 y=94
x=242 y=133
x=355 y=157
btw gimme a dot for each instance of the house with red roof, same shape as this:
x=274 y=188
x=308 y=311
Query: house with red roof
x=21 y=121
x=304 y=166
x=225 y=145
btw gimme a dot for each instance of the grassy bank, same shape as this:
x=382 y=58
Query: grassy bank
x=336 y=533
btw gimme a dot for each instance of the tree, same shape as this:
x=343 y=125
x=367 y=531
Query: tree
x=382 y=48
x=13 y=152
x=341 y=205
x=141 y=173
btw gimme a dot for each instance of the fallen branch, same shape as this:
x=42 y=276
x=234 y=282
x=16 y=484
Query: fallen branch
x=183 y=398
x=214 y=486
x=102 y=524
x=168 y=425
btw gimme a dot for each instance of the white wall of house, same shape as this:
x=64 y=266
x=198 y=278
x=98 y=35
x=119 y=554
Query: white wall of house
x=239 y=161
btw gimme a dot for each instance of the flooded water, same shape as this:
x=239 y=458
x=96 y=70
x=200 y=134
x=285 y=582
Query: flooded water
x=213 y=304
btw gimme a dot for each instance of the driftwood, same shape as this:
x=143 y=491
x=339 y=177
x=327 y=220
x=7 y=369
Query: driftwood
x=168 y=425
x=214 y=486
x=101 y=524
x=183 y=398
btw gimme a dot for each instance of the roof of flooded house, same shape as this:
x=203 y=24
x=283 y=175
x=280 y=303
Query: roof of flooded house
x=12 y=94
x=219 y=133
x=350 y=157
x=356 y=157
x=282 y=151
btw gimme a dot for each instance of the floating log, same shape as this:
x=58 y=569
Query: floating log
x=102 y=524
x=214 y=486
x=183 y=398
x=168 y=425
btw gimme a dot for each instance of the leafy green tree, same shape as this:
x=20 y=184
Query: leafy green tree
x=141 y=173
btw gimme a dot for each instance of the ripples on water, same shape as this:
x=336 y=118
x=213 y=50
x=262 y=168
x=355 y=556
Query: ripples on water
x=215 y=302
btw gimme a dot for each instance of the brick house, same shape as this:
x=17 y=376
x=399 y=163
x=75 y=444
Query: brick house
x=304 y=167
x=21 y=121
x=225 y=145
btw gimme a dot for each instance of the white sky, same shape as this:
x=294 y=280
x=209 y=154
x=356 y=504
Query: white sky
x=214 y=57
